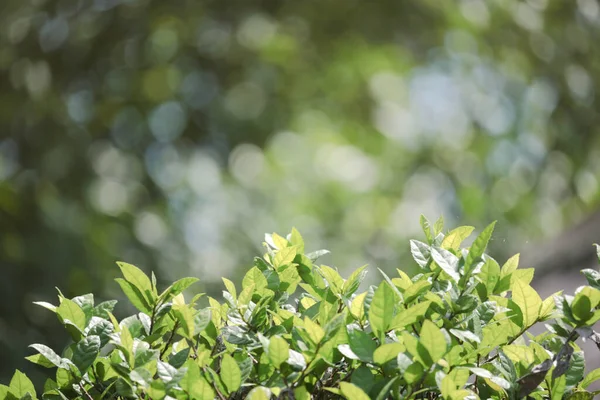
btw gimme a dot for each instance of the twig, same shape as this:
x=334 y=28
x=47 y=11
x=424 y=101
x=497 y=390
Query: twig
x=162 y=353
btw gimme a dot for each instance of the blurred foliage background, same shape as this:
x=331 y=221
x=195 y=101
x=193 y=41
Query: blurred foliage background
x=173 y=134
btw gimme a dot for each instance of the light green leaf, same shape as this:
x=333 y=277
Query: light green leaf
x=185 y=317
x=548 y=306
x=255 y=277
x=478 y=248
x=70 y=311
x=415 y=290
x=230 y=373
x=528 y=301
x=40 y=360
x=590 y=378
x=455 y=237
x=49 y=355
x=285 y=256
x=315 y=332
x=524 y=275
x=20 y=385
x=279 y=351
x=85 y=352
x=4 y=391
x=426 y=226
x=489 y=274
x=381 y=312
x=176 y=288
x=259 y=393
x=581 y=396
x=134 y=295
x=357 y=307
x=558 y=388
x=410 y=315
x=353 y=282
x=230 y=287
x=139 y=279
x=447 y=261
x=421 y=252
x=387 y=352
x=46 y=305
x=510 y=266
x=297 y=240
x=434 y=340
x=438 y=226
x=352 y=392
x=332 y=277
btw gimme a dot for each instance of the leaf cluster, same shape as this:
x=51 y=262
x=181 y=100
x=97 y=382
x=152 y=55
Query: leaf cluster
x=458 y=329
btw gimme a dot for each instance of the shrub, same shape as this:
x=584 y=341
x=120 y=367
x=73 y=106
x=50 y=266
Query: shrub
x=458 y=329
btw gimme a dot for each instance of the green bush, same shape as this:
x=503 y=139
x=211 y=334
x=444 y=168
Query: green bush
x=456 y=330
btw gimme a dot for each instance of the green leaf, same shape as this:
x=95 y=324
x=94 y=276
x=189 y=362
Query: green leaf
x=590 y=378
x=202 y=390
x=528 y=301
x=48 y=354
x=230 y=373
x=434 y=340
x=284 y=256
x=20 y=385
x=581 y=396
x=353 y=282
x=4 y=392
x=176 y=288
x=332 y=277
x=558 y=388
x=415 y=290
x=230 y=287
x=410 y=315
x=134 y=295
x=40 y=360
x=46 y=305
x=315 y=332
x=259 y=393
x=455 y=237
x=478 y=248
x=102 y=309
x=361 y=344
x=86 y=352
x=383 y=393
x=255 y=277
x=137 y=277
x=447 y=261
x=185 y=317
x=426 y=226
x=70 y=311
x=352 y=392
x=581 y=307
x=381 y=312
x=438 y=226
x=279 y=351
x=297 y=240
x=387 y=352
x=489 y=274
x=510 y=266
x=421 y=252
x=524 y=275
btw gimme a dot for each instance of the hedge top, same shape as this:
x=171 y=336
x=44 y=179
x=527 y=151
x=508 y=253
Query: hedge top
x=458 y=329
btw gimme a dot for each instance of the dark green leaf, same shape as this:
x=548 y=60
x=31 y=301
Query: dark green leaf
x=85 y=352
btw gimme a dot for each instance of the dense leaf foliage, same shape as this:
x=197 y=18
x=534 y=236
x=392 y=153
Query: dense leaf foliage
x=458 y=329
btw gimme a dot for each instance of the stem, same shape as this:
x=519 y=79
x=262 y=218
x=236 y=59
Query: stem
x=87 y=395
x=170 y=340
x=303 y=374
